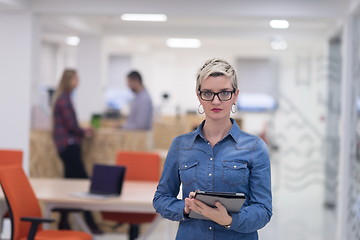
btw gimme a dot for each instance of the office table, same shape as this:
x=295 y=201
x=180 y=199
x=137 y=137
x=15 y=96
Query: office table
x=136 y=196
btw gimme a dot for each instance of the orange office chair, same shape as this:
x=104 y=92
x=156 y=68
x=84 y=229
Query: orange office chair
x=25 y=210
x=10 y=157
x=140 y=166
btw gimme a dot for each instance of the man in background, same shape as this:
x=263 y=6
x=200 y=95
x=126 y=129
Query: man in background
x=141 y=111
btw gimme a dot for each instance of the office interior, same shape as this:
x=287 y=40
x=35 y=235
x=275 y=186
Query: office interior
x=299 y=90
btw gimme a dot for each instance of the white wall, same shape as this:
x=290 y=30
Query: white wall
x=48 y=65
x=16 y=57
x=89 y=96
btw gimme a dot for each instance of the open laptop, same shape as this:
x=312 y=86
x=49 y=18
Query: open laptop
x=106 y=181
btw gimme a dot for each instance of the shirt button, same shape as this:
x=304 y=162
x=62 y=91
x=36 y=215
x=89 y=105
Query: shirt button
x=208 y=142
x=210 y=228
x=185 y=166
x=234 y=166
x=210 y=174
x=211 y=159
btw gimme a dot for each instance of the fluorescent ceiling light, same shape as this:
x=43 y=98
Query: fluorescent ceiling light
x=278 y=44
x=144 y=17
x=183 y=43
x=279 y=24
x=72 y=41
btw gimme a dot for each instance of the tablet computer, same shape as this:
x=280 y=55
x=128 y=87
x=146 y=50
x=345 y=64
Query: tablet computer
x=232 y=201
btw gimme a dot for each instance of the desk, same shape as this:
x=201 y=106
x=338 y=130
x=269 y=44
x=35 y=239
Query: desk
x=136 y=196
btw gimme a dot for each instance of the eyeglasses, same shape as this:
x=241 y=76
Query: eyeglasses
x=223 y=95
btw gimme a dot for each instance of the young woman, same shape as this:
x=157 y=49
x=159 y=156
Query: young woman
x=67 y=135
x=217 y=156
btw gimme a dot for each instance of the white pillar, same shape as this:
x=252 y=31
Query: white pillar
x=90 y=97
x=16 y=72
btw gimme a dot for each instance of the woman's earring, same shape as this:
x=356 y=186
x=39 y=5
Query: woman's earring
x=199 y=111
x=233 y=111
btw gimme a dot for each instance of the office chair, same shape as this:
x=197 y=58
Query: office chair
x=10 y=157
x=25 y=211
x=140 y=166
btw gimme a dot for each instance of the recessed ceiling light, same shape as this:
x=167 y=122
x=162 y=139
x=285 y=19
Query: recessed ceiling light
x=278 y=44
x=72 y=41
x=183 y=43
x=144 y=17
x=279 y=24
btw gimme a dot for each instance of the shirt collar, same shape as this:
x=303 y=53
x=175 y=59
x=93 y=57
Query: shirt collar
x=234 y=132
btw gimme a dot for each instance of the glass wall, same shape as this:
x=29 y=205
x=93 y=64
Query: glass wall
x=353 y=226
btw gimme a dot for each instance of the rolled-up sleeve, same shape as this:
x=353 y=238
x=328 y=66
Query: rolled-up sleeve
x=67 y=112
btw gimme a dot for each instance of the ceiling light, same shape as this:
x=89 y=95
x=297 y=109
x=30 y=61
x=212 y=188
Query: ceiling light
x=279 y=24
x=278 y=44
x=183 y=42
x=144 y=17
x=72 y=41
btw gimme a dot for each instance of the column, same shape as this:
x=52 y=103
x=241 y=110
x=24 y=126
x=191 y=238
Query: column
x=89 y=98
x=16 y=71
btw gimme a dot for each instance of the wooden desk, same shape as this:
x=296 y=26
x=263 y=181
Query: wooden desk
x=136 y=196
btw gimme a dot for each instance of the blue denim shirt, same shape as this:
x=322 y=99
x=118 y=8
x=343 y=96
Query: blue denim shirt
x=237 y=163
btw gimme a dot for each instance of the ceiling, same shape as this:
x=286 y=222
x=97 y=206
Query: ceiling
x=211 y=20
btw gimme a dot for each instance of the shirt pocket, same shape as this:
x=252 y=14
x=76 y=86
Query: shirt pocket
x=235 y=172
x=188 y=171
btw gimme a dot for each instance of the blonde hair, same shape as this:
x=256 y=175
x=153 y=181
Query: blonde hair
x=216 y=67
x=64 y=85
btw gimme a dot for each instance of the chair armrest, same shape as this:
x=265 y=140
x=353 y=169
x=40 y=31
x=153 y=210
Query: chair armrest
x=35 y=221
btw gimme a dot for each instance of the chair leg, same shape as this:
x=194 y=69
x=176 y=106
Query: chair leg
x=134 y=231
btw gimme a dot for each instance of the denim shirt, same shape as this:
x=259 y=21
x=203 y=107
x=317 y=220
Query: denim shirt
x=238 y=163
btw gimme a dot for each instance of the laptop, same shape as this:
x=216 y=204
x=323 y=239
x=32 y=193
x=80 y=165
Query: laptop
x=106 y=181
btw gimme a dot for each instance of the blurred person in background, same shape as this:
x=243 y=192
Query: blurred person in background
x=219 y=157
x=67 y=135
x=141 y=110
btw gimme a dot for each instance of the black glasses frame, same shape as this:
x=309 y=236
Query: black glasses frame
x=216 y=94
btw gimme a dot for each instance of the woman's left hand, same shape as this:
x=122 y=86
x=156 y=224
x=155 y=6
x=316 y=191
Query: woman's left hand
x=218 y=214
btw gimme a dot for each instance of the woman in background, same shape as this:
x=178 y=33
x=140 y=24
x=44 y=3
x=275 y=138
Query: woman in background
x=217 y=156
x=67 y=135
